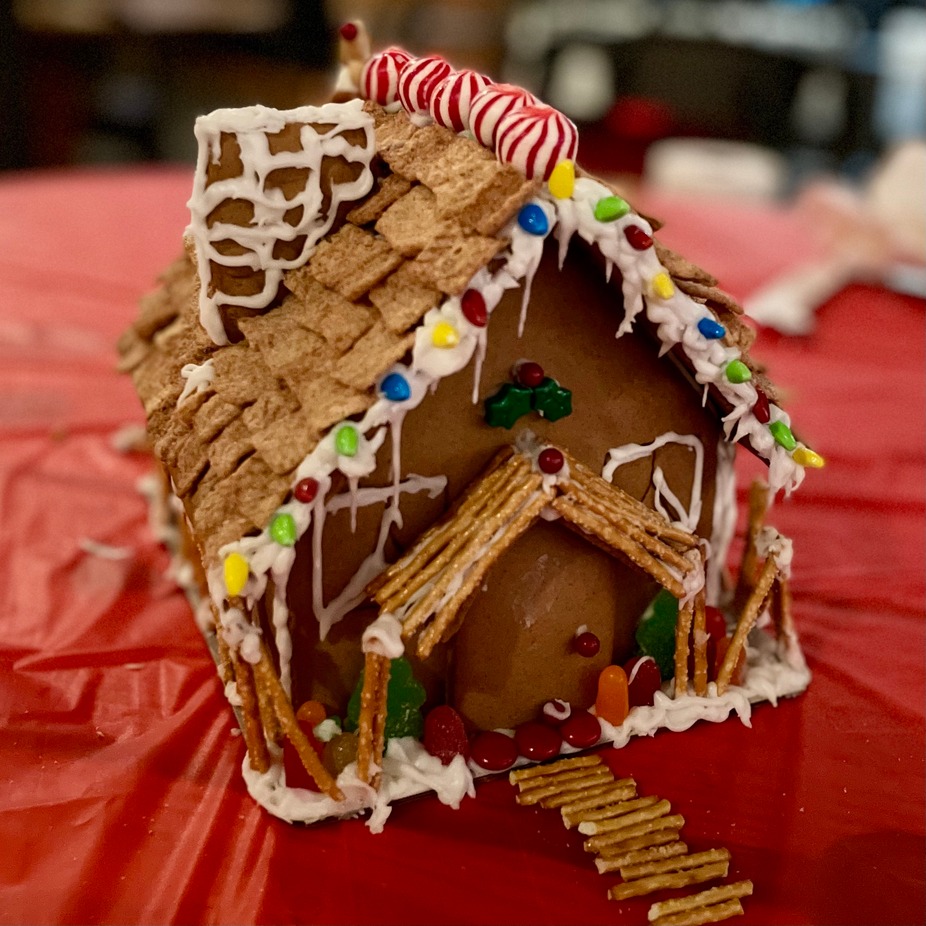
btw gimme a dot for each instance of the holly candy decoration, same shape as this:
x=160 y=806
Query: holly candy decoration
x=612 y=703
x=444 y=734
x=655 y=633
x=529 y=374
x=537 y=741
x=404 y=698
x=586 y=644
x=643 y=680
x=493 y=751
x=511 y=402
x=551 y=400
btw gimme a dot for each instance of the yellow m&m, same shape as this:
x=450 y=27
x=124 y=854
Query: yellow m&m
x=661 y=285
x=804 y=456
x=236 y=571
x=445 y=335
x=562 y=181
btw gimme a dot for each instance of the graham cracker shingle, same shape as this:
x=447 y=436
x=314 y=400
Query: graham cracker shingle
x=325 y=401
x=375 y=352
x=324 y=311
x=412 y=222
x=409 y=150
x=449 y=264
x=402 y=299
x=388 y=190
x=229 y=448
x=352 y=262
x=284 y=443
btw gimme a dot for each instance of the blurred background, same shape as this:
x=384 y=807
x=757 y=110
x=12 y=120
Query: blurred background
x=792 y=88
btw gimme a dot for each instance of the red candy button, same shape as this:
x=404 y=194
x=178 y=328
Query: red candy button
x=537 y=741
x=474 y=308
x=715 y=623
x=530 y=374
x=761 y=409
x=642 y=687
x=586 y=644
x=445 y=735
x=550 y=460
x=638 y=238
x=306 y=490
x=493 y=751
x=348 y=32
x=581 y=730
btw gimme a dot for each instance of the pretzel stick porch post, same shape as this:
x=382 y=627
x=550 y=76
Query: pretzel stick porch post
x=758 y=505
x=253 y=730
x=371 y=727
x=750 y=615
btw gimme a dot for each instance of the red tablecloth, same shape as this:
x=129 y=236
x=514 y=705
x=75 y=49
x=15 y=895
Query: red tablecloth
x=121 y=796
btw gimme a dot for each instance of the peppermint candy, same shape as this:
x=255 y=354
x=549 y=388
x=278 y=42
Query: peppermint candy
x=379 y=78
x=453 y=96
x=489 y=106
x=418 y=80
x=535 y=139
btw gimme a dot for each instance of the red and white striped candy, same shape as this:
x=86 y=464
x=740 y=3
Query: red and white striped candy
x=453 y=96
x=418 y=80
x=535 y=139
x=379 y=79
x=489 y=106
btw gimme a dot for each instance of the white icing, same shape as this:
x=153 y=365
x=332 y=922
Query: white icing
x=770 y=543
x=688 y=518
x=723 y=521
x=327 y=730
x=556 y=710
x=384 y=637
x=251 y=125
x=198 y=378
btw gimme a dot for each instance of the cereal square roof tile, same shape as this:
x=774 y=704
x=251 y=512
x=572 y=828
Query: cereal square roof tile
x=190 y=464
x=325 y=401
x=412 y=222
x=241 y=374
x=214 y=414
x=388 y=190
x=269 y=408
x=374 y=353
x=352 y=262
x=402 y=299
x=324 y=311
x=449 y=263
x=230 y=447
x=284 y=443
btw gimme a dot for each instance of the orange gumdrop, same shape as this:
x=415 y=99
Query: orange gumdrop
x=613 y=701
x=311 y=714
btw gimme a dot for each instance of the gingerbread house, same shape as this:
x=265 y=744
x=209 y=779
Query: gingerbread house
x=433 y=406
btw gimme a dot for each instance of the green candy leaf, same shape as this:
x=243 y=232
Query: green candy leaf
x=656 y=632
x=404 y=698
x=504 y=408
x=551 y=400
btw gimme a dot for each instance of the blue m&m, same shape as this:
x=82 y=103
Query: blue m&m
x=533 y=219
x=395 y=387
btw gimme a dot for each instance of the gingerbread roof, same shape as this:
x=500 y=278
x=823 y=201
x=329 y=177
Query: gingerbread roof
x=231 y=423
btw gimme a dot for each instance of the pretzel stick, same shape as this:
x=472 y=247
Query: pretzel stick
x=608 y=811
x=564 y=776
x=636 y=856
x=258 y=756
x=671 y=823
x=621 y=790
x=672 y=879
x=617 y=542
x=678 y=863
x=758 y=505
x=784 y=621
x=531 y=772
x=370 y=699
x=435 y=633
x=424 y=608
x=747 y=619
x=226 y=671
x=700 y=638
x=651 y=544
x=571 y=787
x=698 y=916
x=643 y=840
x=625 y=821
x=379 y=718
x=266 y=676
x=713 y=895
x=582 y=476
x=433 y=540
x=682 y=637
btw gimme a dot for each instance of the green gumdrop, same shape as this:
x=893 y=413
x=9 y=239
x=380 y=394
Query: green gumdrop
x=656 y=632
x=404 y=698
